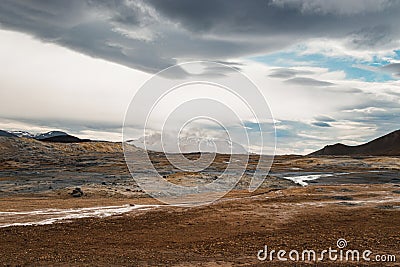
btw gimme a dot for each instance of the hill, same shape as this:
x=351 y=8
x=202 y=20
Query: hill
x=387 y=145
x=64 y=139
x=52 y=136
x=6 y=134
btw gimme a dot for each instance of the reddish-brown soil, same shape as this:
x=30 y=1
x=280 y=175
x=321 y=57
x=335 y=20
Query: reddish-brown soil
x=226 y=233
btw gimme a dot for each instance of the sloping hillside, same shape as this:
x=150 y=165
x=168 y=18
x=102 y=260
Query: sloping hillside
x=387 y=145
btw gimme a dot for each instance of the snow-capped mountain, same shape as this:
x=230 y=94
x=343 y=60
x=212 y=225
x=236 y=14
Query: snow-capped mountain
x=23 y=134
x=49 y=134
x=39 y=136
x=52 y=136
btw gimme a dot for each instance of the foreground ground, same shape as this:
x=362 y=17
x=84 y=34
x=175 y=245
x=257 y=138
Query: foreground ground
x=228 y=233
x=354 y=198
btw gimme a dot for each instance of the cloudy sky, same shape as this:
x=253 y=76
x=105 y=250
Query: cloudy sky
x=330 y=70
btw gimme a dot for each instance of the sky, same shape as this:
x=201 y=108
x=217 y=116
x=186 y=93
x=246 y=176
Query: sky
x=329 y=70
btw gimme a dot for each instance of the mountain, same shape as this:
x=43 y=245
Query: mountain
x=59 y=137
x=64 y=139
x=188 y=145
x=23 y=134
x=52 y=136
x=6 y=134
x=387 y=145
x=49 y=135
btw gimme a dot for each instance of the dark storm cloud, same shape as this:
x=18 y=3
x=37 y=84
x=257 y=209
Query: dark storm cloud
x=308 y=82
x=260 y=16
x=151 y=35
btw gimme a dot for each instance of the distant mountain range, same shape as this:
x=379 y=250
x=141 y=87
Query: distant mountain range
x=189 y=145
x=52 y=136
x=387 y=145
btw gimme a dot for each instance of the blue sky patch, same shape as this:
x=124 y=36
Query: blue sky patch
x=354 y=68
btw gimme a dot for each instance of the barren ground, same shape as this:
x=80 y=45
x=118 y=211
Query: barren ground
x=359 y=202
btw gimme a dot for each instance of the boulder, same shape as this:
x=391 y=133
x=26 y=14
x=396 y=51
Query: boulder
x=77 y=192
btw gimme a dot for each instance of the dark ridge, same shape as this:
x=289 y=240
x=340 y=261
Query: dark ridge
x=64 y=139
x=50 y=134
x=387 y=145
x=7 y=134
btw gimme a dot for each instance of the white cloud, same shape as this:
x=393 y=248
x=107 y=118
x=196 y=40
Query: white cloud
x=332 y=47
x=44 y=83
x=367 y=110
